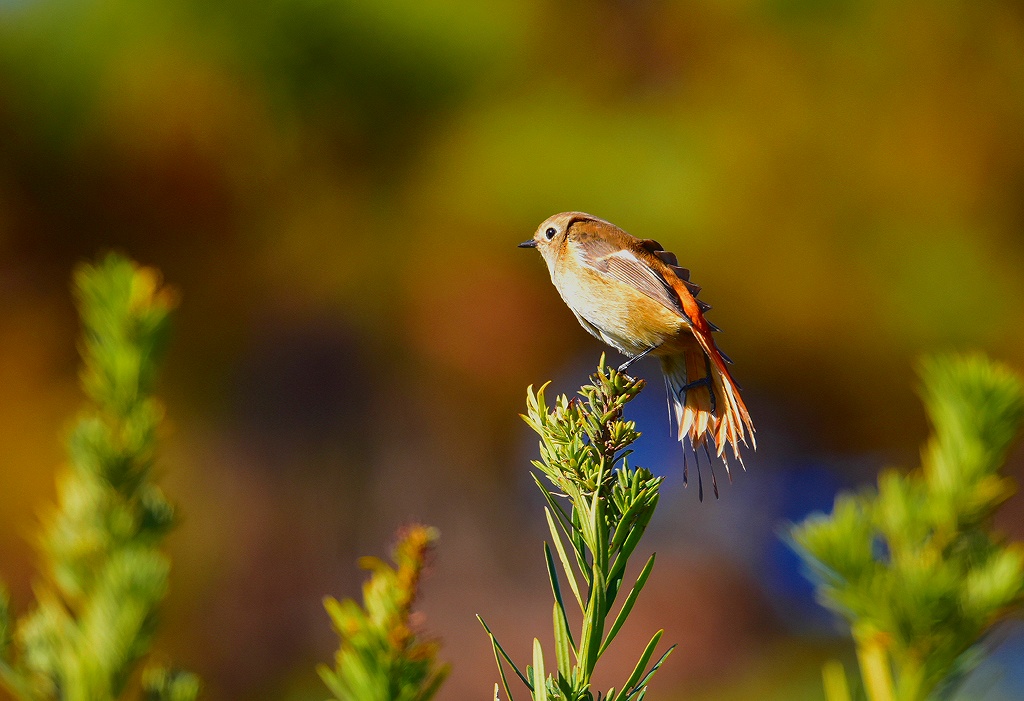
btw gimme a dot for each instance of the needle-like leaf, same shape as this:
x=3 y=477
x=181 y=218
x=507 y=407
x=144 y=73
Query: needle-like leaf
x=627 y=605
x=556 y=590
x=540 y=686
x=570 y=575
x=633 y=684
x=499 y=648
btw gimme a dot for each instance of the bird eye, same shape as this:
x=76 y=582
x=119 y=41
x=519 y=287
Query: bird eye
x=550 y=233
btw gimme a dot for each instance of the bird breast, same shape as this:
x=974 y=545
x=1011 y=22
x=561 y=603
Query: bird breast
x=615 y=312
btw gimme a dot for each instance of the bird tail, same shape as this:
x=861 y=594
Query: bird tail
x=706 y=402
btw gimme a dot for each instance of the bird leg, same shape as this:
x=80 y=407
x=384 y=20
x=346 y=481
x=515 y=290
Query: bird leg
x=705 y=381
x=622 y=368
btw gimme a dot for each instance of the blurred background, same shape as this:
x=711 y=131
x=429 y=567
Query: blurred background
x=337 y=186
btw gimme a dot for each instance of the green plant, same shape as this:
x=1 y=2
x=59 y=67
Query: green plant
x=381 y=658
x=914 y=566
x=600 y=507
x=104 y=573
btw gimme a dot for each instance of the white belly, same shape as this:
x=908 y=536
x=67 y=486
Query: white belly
x=622 y=317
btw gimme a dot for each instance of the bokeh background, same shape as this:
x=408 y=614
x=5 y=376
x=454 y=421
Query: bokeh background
x=337 y=186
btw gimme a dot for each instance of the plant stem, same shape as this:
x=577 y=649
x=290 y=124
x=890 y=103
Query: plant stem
x=874 y=667
x=911 y=684
x=834 y=680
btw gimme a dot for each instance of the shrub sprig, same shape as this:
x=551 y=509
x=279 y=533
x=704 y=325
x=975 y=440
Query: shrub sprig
x=915 y=566
x=381 y=657
x=598 y=508
x=104 y=573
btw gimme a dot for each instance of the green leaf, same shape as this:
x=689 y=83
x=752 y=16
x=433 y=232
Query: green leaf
x=540 y=687
x=563 y=645
x=598 y=536
x=994 y=583
x=580 y=547
x=498 y=654
x=564 y=559
x=498 y=648
x=593 y=624
x=632 y=539
x=627 y=605
x=626 y=524
x=632 y=682
x=640 y=687
x=565 y=522
x=556 y=590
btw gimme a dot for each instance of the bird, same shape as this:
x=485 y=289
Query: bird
x=632 y=294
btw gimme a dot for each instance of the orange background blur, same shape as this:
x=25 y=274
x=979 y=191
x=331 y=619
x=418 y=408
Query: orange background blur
x=337 y=187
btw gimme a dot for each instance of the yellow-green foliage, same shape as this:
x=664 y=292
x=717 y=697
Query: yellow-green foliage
x=103 y=572
x=600 y=506
x=381 y=658
x=915 y=566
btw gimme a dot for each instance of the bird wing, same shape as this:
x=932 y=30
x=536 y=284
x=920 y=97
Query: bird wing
x=625 y=266
x=673 y=290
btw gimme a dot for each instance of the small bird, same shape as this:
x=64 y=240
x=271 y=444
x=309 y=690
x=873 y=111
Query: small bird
x=632 y=294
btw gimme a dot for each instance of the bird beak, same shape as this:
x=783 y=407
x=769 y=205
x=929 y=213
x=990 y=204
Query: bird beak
x=528 y=244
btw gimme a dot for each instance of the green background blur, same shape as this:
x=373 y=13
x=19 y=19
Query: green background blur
x=337 y=186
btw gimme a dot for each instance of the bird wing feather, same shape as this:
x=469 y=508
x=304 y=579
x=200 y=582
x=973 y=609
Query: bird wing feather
x=624 y=265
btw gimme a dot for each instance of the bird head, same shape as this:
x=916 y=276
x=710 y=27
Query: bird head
x=551 y=234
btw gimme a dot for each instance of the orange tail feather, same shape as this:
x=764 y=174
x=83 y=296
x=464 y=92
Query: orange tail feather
x=706 y=401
